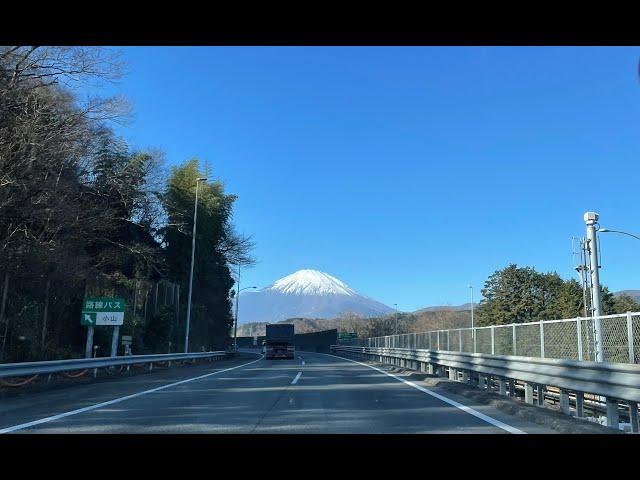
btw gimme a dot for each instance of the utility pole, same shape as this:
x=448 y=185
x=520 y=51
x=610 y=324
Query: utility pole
x=235 y=324
x=193 y=252
x=472 y=324
x=591 y=220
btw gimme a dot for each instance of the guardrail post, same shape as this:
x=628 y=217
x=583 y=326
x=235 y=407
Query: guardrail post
x=541 y=339
x=579 y=333
x=540 y=390
x=564 y=401
x=512 y=387
x=493 y=340
x=613 y=419
x=453 y=375
x=632 y=357
x=502 y=384
x=150 y=366
x=579 y=404
x=633 y=416
x=481 y=380
x=528 y=393
x=465 y=376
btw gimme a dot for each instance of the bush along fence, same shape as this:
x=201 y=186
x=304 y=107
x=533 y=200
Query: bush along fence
x=572 y=339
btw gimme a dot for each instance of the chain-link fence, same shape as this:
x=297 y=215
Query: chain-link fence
x=573 y=338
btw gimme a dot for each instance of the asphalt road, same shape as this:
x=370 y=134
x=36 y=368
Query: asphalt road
x=314 y=393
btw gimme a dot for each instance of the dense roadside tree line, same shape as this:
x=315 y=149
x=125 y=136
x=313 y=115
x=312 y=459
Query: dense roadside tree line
x=82 y=212
x=521 y=294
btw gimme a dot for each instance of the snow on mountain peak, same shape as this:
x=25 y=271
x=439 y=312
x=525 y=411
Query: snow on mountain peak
x=311 y=282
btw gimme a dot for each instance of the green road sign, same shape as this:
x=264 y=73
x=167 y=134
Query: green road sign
x=102 y=311
x=347 y=335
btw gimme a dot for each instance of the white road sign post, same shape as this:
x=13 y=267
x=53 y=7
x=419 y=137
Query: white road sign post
x=102 y=311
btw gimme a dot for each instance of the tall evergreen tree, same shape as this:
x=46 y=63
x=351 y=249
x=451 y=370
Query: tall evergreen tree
x=211 y=318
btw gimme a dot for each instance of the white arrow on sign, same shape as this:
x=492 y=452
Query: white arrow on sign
x=87 y=318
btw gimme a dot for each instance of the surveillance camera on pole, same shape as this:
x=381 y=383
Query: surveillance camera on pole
x=591 y=220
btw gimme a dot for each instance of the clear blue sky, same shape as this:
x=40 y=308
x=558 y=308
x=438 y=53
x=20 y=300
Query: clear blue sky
x=408 y=173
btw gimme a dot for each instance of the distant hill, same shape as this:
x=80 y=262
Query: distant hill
x=635 y=294
x=370 y=327
x=455 y=308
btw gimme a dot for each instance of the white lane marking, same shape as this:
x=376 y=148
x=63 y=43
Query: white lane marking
x=295 y=380
x=464 y=408
x=22 y=426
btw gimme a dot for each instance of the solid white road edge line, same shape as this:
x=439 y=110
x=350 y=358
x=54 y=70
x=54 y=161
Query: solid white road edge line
x=116 y=400
x=464 y=408
x=295 y=380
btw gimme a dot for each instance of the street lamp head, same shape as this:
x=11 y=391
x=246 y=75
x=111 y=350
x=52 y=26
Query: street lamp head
x=604 y=230
x=201 y=179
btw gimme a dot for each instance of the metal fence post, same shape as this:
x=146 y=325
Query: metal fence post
x=460 y=340
x=473 y=333
x=632 y=357
x=493 y=340
x=438 y=333
x=579 y=333
x=541 y=339
x=448 y=340
x=513 y=339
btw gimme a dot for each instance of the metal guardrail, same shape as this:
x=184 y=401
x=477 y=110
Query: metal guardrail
x=37 y=368
x=614 y=381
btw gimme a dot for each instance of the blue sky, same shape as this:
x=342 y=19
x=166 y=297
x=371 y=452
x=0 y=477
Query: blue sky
x=408 y=173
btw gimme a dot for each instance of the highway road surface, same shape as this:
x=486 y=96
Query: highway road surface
x=314 y=393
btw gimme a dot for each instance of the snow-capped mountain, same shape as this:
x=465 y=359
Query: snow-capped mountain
x=306 y=294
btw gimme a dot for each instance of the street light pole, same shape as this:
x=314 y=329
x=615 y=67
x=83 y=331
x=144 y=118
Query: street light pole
x=607 y=230
x=471 y=287
x=235 y=323
x=396 y=305
x=235 y=328
x=591 y=220
x=193 y=252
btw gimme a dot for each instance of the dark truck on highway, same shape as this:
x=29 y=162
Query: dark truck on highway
x=279 y=341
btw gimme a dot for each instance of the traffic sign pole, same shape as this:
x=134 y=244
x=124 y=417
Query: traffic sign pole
x=114 y=340
x=89 y=346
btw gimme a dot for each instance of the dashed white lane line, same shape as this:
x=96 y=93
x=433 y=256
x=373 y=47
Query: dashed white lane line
x=295 y=380
x=464 y=408
x=22 y=426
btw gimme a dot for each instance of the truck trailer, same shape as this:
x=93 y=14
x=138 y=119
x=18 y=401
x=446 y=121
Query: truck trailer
x=279 y=341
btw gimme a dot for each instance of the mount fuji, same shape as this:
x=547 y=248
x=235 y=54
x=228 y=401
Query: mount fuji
x=306 y=294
